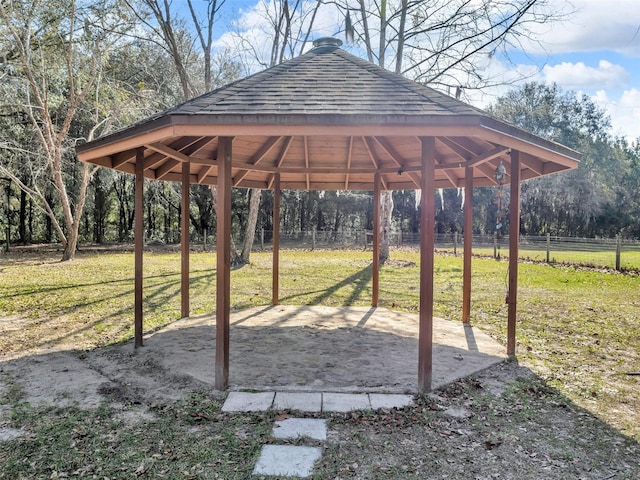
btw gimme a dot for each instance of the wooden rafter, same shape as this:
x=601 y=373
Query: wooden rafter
x=370 y=152
x=204 y=171
x=396 y=158
x=168 y=152
x=262 y=152
x=349 y=154
x=186 y=145
x=165 y=168
x=283 y=151
x=488 y=156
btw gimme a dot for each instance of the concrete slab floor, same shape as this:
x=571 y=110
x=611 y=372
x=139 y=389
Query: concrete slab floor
x=379 y=400
x=345 y=402
x=293 y=428
x=248 y=402
x=287 y=460
x=305 y=402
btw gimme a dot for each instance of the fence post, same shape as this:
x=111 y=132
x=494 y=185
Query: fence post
x=495 y=245
x=204 y=240
x=455 y=244
x=313 y=238
x=548 y=247
x=618 y=250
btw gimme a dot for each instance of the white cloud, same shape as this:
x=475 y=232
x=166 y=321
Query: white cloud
x=624 y=112
x=579 y=75
x=594 y=25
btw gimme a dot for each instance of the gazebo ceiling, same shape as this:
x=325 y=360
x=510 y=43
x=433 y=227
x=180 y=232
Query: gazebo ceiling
x=326 y=120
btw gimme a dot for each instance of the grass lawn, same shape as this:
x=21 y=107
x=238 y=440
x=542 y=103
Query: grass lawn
x=577 y=330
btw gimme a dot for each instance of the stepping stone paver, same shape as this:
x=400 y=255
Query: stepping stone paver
x=287 y=460
x=293 y=428
x=248 y=402
x=345 y=402
x=384 y=400
x=303 y=401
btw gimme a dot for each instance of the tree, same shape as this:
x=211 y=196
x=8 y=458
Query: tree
x=58 y=63
x=443 y=43
x=569 y=203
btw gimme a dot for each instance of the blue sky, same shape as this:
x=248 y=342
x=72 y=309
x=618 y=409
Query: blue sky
x=595 y=51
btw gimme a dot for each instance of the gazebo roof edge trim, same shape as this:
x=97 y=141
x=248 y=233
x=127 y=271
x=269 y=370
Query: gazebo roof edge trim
x=359 y=122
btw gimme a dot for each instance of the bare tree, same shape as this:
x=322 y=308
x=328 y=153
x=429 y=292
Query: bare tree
x=55 y=54
x=443 y=43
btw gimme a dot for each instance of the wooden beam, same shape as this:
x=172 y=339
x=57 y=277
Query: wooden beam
x=165 y=168
x=223 y=262
x=185 y=145
x=458 y=149
x=139 y=247
x=514 y=233
x=396 y=158
x=256 y=159
x=283 y=151
x=204 y=171
x=275 y=285
x=467 y=248
x=184 y=241
x=369 y=148
x=427 y=227
x=349 y=156
x=122 y=158
x=168 y=152
x=487 y=156
x=375 y=266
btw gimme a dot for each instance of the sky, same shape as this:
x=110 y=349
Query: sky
x=595 y=51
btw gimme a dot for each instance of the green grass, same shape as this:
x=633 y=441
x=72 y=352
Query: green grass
x=596 y=256
x=182 y=440
x=577 y=327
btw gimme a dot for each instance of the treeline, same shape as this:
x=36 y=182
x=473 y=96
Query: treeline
x=70 y=72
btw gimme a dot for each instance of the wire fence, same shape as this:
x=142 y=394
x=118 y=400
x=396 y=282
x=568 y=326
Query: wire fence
x=616 y=253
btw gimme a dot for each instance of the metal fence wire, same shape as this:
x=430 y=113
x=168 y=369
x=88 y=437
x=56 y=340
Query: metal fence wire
x=616 y=253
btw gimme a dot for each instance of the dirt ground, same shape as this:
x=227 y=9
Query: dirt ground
x=284 y=348
x=500 y=422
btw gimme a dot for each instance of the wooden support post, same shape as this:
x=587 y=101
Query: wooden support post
x=618 y=251
x=223 y=262
x=375 y=265
x=548 y=248
x=427 y=224
x=138 y=230
x=514 y=242
x=275 y=282
x=184 y=240
x=467 y=247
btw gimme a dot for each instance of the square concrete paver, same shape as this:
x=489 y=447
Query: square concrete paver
x=287 y=460
x=248 y=402
x=385 y=400
x=293 y=428
x=305 y=402
x=345 y=402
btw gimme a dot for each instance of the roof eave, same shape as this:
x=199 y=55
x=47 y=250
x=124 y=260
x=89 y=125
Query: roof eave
x=272 y=124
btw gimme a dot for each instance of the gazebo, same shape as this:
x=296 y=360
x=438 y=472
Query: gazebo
x=328 y=120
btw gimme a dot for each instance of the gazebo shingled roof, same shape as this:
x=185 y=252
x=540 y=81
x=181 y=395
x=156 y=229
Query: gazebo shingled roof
x=328 y=120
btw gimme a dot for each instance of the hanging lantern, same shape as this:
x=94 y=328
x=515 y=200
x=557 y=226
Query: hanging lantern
x=501 y=173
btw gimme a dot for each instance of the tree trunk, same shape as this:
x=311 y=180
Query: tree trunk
x=386 y=210
x=250 y=232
